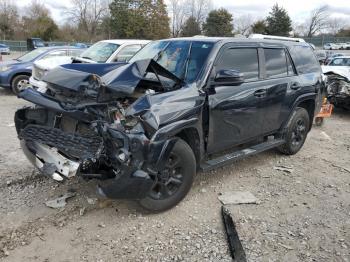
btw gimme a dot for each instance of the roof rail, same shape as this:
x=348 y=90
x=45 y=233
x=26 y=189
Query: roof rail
x=274 y=37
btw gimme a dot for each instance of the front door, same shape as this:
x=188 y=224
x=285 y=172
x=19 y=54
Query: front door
x=235 y=116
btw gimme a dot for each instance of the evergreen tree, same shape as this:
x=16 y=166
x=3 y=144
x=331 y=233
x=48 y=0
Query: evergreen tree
x=259 y=27
x=278 y=22
x=139 y=19
x=218 y=23
x=191 y=27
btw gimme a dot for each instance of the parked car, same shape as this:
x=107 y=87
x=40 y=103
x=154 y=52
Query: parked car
x=106 y=51
x=34 y=43
x=15 y=73
x=42 y=66
x=179 y=105
x=340 y=61
x=109 y=51
x=331 y=56
x=338 y=81
x=345 y=46
x=81 y=45
x=331 y=46
x=4 y=49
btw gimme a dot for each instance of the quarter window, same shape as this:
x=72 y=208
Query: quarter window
x=245 y=60
x=304 y=59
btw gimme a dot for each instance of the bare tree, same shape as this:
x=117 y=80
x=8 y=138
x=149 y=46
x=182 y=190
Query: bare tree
x=37 y=9
x=88 y=14
x=178 y=16
x=181 y=10
x=336 y=24
x=8 y=18
x=243 y=24
x=318 y=20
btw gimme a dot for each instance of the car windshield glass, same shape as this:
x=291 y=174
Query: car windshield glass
x=38 y=43
x=31 y=55
x=100 y=51
x=184 y=59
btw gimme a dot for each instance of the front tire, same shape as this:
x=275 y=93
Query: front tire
x=296 y=132
x=19 y=83
x=174 y=182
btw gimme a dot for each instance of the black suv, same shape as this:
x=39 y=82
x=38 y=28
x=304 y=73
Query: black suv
x=144 y=128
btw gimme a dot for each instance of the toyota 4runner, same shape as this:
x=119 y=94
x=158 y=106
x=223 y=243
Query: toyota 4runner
x=144 y=128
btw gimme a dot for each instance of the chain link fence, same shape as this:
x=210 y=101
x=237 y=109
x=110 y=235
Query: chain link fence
x=322 y=40
x=21 y=46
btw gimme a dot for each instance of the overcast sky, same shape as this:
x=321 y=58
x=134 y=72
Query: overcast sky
x=297 y=9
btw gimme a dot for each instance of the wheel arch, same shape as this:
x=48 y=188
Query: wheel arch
x=19 y=74
x=192 y=137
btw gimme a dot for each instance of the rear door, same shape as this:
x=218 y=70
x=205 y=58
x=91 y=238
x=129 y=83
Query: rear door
x=280 y=81
x=235 y=114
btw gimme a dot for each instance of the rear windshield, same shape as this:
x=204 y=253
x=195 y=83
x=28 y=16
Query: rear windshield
x=304 y=59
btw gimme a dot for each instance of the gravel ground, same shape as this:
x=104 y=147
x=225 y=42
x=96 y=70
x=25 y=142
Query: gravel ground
x=301 y=216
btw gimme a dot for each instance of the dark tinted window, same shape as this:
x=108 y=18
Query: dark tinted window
x=245 y=60
x=304 y=59
x=276 y=63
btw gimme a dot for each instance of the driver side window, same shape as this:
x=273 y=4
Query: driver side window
x=127 y=53
x=245 y=60
x=56 y=53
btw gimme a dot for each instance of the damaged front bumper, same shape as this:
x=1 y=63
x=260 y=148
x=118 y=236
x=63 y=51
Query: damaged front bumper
x=134 y=159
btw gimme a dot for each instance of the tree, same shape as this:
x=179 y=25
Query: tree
x=88 y=15
x=318 y=20
x=243 y=24
x=8 y=19
x=182 y=10
x=259 y=27
x=218 y=23
x=191 y=27
x=38 y=22
x=139 y=19
x=344 y=32
x=278 y=22
x=336 y=24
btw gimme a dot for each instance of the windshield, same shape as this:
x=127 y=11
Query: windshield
x=31 y=55
x=184 y=59
x=100 y=52
x=38 y=43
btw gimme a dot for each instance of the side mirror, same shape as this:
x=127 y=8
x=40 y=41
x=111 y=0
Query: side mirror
x=229 y=77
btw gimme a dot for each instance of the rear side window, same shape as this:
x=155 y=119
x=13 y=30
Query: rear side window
x=304 y=59
x=276 y=63
x=245 y=60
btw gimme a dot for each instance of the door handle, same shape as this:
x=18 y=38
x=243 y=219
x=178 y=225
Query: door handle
x=295 y=86
x=260 y=93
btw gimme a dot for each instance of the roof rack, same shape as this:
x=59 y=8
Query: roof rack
x=274 y=37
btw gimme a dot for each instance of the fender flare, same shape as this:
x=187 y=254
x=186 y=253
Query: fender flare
x=298 y=101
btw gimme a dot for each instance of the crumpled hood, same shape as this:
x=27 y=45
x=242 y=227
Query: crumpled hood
x=120 y=78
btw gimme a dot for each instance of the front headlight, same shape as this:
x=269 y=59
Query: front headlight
x=4 y=68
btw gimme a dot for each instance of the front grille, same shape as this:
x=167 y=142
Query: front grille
x=72 y=145
x=37 y=72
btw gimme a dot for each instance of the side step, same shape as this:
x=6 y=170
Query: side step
x=237 y=155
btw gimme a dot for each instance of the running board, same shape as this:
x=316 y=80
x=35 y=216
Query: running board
x=237 y=155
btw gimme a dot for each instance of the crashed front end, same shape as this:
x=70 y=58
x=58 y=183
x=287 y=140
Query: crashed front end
x=338 y=87
x=99 y=128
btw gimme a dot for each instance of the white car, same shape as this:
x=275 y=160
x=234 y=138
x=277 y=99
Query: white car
x=4 y=49
x=331 y=46
x=111 y=51
x=106 y=51
x=345 y=46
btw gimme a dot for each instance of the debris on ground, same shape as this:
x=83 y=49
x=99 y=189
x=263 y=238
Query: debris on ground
x=59 y=202
x=237 y=198
x=286 y=169
x=324 y=134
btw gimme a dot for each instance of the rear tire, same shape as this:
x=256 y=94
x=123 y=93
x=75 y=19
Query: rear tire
x=20 y=83
x=296 y=133
x=174 y=182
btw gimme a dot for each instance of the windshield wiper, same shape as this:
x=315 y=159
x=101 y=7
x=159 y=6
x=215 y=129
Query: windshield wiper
x=86 y=57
